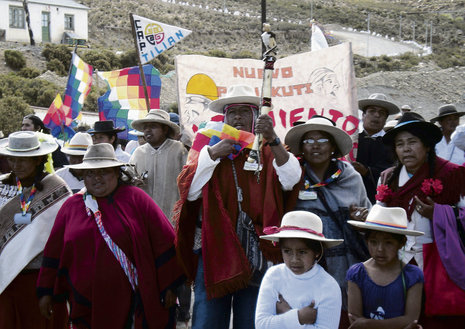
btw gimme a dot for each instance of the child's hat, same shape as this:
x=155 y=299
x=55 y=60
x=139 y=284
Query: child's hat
x=386 y=219
x=300 y=224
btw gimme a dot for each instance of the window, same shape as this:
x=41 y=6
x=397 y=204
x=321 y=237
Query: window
x=17 y=17
x=69 y=22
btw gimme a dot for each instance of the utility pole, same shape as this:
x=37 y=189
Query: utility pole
x=400 y=27
x=431 y=36
x=263 y=21
x=311 y=10
x=426 y=35
x=368 y=34
x=413 y=26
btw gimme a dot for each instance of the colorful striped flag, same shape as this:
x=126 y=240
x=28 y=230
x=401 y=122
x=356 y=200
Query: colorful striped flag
x=77 y=88
x=59 y=122
x=125 y=101
x=214 y=132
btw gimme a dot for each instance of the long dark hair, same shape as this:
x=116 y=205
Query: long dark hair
x=38 y=123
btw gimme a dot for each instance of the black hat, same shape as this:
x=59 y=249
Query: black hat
x=410 y=121
x=445 y=110
x=106 y=126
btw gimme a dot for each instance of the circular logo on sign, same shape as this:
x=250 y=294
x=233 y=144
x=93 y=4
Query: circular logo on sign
x=154 y=33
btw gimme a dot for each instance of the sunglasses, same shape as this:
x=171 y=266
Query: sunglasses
x=317 y=141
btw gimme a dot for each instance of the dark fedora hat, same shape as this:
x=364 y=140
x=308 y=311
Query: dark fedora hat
x=446 y=110
x=106 y=126
x=414 y=121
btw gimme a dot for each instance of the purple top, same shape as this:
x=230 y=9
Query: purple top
x=383 y=302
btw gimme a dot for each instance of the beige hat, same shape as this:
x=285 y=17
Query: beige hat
x=318 y=123
x=300 y=224
x=78 y=144
x=378 y=100
x=235 y=94
x=98 y=156
x=390 y=124
x=158 y=116
x=386 y=219
x=26 y=144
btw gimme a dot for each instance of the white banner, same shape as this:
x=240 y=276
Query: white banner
x=320 y=82
x=154 y=37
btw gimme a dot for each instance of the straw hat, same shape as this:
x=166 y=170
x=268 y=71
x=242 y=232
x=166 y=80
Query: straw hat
x=413 y=120
x=157 y=116
x=78 y=144
x=136 y=133
x=386 y=219
x=26 y=144
x=106 y=126
x=98 y=156
x=318 y=123
x=446 y=110
x=378 y=100
x=390 y=124
x=300 y=224
x=235 y=94
x=406 y=108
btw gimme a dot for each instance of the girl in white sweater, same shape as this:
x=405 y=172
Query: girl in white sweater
x=299 y=293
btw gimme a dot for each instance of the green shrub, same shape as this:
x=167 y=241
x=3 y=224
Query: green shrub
x=217 y=53
x=14 y=59
x=244 y=54
x=12 y=111
x=58 y=67
x=59 y=52
x=128 y=59
x=29 y=72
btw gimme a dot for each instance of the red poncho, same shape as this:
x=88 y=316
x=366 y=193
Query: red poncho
x=80 y=266
x=225 y=263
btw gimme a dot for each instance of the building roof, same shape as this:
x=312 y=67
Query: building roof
x=61 y=3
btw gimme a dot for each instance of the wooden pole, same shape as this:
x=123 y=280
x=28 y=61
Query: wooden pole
x=141 y=70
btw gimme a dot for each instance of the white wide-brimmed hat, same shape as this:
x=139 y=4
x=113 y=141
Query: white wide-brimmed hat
x=386 y=219
x=158 y=116
x=378 y=100
x=318 y=123
x=300 y=224
x=236 y=94
x=98 y=156
x=26 y=144
x=78 y=144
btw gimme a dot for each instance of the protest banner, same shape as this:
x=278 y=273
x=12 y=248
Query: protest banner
x=319 y=82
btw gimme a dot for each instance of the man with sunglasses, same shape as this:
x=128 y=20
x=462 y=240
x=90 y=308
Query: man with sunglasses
x=208 y=247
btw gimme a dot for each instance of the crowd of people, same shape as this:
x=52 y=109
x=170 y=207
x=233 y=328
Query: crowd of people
x=121 y=238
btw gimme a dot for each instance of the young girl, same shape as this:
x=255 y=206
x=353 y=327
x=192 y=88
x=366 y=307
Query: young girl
x=383 y=288
x=298 y=293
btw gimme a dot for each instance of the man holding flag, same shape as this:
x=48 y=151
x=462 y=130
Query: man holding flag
x=208 y=208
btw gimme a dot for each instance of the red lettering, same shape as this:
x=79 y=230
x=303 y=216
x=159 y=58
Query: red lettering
x=250 y=74
x=354 y=121
x=238 y=72
x=286 y=72
x=289 y=93
x=275 y=92
x=298 y=88
x=336 y=114
x=221 y=91
x=308 y=89
x=257 y=91
x=260 y=73
x=293 y=116
x=275 y=73
x=271 y=114
x=312 y=112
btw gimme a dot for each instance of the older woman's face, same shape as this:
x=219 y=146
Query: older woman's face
x=410 y=151
x=317 y=147
x=101 y=182
x=24 y=167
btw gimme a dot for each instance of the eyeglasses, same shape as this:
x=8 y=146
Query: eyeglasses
x=317 y=141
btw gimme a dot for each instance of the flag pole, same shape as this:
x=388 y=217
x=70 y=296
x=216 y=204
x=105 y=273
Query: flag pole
x=141 y=70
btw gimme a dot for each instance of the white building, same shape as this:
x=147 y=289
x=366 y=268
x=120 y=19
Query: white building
x=50 y=19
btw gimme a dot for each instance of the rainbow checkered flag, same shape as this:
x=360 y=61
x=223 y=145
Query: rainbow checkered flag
x=125 y=101
x=57 y=121
x=213 y=133
x=77 y=88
